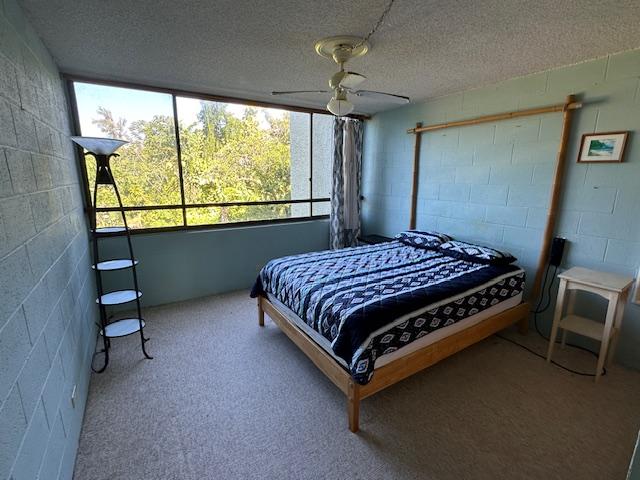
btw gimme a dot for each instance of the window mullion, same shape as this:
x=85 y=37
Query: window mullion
x=311 y=165
x=179 y=152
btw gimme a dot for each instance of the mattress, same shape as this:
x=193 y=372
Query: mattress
x=366 y=303
x=422 y=342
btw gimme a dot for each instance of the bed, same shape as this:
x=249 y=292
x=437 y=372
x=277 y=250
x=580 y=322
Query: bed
x=370 y=316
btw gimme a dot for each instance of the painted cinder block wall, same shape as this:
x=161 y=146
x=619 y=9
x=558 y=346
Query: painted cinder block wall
x=47 y=315
x=176 y=266
x=490 y=183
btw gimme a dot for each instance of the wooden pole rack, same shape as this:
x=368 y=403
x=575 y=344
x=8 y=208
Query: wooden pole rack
x=566 y=108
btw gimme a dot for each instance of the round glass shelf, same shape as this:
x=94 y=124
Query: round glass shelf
x=119 y=297
x=122 y=328
x=117 y=264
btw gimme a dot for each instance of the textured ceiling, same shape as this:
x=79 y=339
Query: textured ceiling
x=246 y=48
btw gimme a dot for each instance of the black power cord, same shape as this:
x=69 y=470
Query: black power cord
x=538 y=311
x=576 y=372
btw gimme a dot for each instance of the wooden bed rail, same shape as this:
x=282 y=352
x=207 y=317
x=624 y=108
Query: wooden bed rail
x=566 y=108
x=398 y=369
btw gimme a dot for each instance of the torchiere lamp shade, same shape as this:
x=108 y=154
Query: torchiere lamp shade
x=99 y=146
x=103 y=149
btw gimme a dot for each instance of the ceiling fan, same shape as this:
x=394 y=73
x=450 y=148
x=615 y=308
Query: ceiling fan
x=341 y=49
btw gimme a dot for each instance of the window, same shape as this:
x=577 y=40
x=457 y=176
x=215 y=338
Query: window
x=225 y=163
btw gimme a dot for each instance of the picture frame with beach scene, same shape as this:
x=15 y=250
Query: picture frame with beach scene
x=602 y=147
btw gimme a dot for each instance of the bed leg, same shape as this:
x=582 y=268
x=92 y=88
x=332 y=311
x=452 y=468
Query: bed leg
x=523 y=325
x=260 y=312
x=353 y=406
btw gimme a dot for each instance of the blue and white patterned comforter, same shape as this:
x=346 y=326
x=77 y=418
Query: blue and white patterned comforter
x=370 y=301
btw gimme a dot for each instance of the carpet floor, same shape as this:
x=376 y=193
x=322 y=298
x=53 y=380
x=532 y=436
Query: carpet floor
x=225 y=399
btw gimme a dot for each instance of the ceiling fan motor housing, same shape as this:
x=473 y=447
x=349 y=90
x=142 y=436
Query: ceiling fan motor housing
x=342 y=53
x=346 y=80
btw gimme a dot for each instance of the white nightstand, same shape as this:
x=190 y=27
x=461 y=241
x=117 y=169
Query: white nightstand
x=614 y=288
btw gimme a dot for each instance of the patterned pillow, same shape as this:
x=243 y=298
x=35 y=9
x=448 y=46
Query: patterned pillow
x=476 y=253
x=420 y=239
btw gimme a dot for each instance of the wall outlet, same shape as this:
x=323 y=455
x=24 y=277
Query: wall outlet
x=73 y=396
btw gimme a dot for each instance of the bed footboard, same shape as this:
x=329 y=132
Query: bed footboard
x=398 y=369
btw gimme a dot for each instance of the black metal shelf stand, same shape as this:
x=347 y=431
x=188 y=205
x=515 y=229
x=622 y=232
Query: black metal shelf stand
x=125 y=326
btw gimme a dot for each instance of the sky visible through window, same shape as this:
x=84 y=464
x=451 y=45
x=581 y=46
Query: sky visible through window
x=143 y=105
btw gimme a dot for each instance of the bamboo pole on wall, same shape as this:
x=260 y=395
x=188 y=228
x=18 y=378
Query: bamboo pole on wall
x=416 y=176
x=497 y=117
x=556 y=190
x=419 y=129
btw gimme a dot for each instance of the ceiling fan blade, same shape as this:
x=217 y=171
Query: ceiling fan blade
x=389 y=96
x=293 y=92
x=352 y=80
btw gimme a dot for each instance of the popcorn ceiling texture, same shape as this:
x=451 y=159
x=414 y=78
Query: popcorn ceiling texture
x=248 y=48
x=490 y=183
x=47 y=313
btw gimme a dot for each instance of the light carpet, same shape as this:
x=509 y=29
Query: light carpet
x=225 y=399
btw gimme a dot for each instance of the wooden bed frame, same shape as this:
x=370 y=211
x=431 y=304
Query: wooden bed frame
x=407 y=365
x=398 y=369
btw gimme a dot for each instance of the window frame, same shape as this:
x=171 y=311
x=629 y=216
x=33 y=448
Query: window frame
x=183 y=206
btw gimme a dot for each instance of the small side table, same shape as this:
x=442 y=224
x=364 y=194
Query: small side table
x=614 y=288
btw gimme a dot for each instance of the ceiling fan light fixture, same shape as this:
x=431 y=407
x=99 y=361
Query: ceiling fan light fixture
x=340 y=106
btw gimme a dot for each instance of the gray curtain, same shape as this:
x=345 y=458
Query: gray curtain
x=345 y=187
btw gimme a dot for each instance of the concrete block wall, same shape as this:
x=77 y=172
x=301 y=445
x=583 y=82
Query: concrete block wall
x=490 y=183
x=208 y=262
x=47 y=314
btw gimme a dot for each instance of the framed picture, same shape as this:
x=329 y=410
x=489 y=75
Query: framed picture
x=602 y=147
